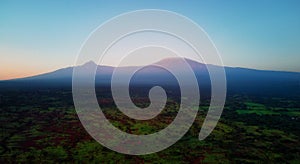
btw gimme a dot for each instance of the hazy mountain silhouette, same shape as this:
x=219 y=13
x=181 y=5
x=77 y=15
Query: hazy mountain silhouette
x=239 y=80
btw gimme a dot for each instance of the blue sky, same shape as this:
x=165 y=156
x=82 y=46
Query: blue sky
x=41 y=36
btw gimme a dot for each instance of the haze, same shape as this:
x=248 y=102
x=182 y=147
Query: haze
x=41 y=36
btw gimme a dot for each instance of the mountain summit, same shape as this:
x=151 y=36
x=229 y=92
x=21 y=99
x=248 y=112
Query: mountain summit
x=89 y=64
x=239 y=80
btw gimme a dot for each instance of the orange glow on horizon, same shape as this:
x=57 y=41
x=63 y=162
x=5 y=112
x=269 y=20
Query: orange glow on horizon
x=13 y=73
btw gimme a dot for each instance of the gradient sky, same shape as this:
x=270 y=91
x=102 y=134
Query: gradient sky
x=42 y=36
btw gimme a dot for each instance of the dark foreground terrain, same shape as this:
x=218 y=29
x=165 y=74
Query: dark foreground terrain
x=41 y=126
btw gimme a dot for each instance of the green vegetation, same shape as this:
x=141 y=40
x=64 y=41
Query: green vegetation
x=47 y=130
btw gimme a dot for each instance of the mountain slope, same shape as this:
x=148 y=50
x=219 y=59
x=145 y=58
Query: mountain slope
x=239 y=80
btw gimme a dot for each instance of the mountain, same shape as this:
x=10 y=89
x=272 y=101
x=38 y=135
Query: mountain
x=239 y=80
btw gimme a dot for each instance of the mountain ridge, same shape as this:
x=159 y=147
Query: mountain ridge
x=239 y=80
x=191 y=62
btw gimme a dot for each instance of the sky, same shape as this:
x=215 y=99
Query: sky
x=42 y=36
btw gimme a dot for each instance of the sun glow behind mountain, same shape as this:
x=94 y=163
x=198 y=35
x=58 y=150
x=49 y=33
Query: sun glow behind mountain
x=34 y=39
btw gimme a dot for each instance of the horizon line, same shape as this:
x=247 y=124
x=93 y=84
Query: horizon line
x=126 y=66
